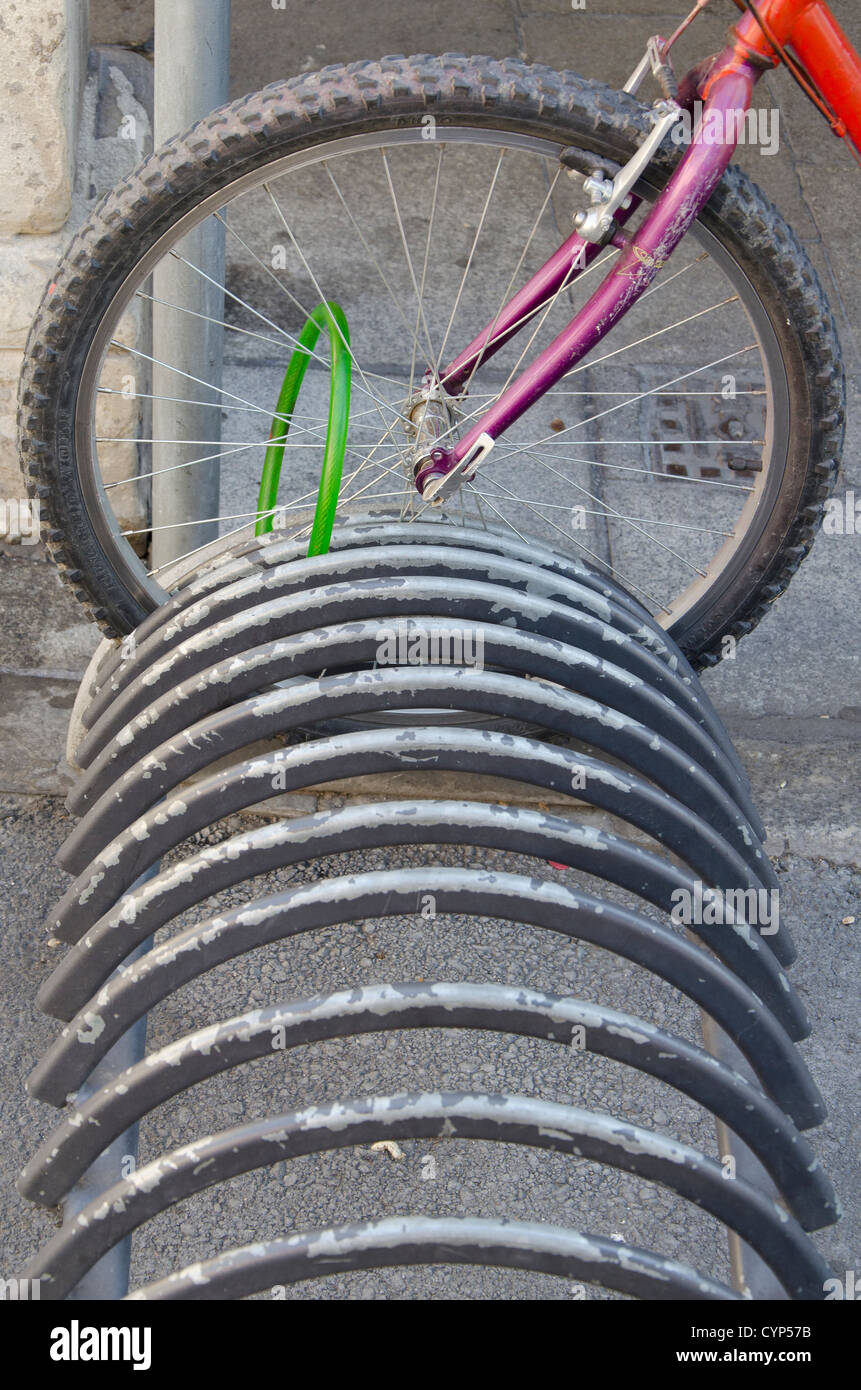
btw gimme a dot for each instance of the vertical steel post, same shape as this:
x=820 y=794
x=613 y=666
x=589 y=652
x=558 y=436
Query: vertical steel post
x=192 y=41
x=108 y=1280
x=749 y=1273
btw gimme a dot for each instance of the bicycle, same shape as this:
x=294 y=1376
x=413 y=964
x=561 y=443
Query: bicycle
x=420 y=197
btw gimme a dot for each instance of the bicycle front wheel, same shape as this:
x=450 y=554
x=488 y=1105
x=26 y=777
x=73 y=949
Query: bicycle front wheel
x=688 y=456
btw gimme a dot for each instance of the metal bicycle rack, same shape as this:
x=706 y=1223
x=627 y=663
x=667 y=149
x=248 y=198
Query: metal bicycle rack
x=579 y=693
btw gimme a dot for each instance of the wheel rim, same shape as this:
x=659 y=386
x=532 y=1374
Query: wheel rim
x=620 y=503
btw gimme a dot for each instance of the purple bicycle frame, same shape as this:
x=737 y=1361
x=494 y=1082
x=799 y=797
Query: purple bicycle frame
x=686 y=193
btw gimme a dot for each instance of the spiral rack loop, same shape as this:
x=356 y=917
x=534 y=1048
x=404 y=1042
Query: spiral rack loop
x=418 y=650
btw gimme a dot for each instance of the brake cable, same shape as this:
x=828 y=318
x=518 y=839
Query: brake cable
x=807 y=84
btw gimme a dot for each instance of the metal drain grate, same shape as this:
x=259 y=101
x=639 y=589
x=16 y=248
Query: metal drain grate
x=678 y=419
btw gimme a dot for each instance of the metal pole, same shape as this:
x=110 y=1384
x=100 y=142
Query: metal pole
x=749 y=1273
x=108 y=1280
x=192 y=47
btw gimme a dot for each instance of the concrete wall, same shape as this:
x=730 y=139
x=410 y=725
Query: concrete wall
x=44 y=59
x=128 y=22
x=44 y=46
x=65 y=138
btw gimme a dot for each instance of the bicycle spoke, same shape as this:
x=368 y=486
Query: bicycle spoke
x=626 y=467
x=208 y=318
x=373 y=258
x=366 y=223
x=618 y=516
x=138 y=352
x=480 y=508
x=243 y=303
x=319 y=426
x=662 y=281
x=469 y=259
x=641 y=395
x=199 y=549
x=506 y=294
x=428 y=241
x=288 y=293
x=498 y=513
x=198 y=521
x=379 y=400
x=548 y=305
x=408 y=257
x=670 y=394
x=629 y=583
x=172 y=468
x=183 y=400
x=649 y=337
x=612 y=511
x=324 y=300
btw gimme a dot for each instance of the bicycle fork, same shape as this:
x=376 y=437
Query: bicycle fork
x=440 y=470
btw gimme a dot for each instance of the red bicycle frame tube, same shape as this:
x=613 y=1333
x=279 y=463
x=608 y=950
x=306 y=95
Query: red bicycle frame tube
x=809 y=28
x=726 y=85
